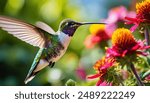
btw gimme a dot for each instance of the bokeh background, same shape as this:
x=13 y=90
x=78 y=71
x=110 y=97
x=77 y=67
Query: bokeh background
x=16 y=56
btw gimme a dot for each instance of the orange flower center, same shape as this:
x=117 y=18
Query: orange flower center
x=103 y=62
x=123 y=39
x=143 y=10
x=99 y=63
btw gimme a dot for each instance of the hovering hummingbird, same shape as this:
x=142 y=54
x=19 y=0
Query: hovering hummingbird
x=53 y=45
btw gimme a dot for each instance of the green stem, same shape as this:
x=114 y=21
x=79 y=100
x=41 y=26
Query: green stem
x=136 y=75
x=147 y=43
x=147 y=38
x=146 y=74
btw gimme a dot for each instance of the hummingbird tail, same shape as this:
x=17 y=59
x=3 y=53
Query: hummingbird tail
x=37 y=65
x=28 y=79
x=35 y=68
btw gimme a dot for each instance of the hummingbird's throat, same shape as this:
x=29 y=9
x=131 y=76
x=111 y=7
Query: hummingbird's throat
x=69 y=31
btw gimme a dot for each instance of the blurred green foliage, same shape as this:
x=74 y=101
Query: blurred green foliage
x=16 y=56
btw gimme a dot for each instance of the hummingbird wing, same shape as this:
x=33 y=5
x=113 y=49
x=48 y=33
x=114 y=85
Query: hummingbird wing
x=45 y=27
x=24 y=31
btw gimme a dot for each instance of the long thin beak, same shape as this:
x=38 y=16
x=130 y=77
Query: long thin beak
x=86 y=23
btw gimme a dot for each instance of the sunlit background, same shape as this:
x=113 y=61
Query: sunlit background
x=16 y=56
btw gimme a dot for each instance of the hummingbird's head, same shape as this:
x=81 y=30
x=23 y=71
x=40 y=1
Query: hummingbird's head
x=69 y=26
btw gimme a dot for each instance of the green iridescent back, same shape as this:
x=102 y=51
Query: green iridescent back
x=53 y=47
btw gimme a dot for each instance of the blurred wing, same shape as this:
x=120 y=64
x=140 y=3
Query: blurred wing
x=23 y=31
x=45 y=27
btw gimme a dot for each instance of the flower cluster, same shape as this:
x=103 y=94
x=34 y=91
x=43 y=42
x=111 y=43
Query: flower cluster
x=124 y=60
x=123 y=57
x=103 y=33
x=125 y=50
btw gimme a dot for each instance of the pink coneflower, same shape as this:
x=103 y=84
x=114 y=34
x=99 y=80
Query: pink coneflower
x=124 y=44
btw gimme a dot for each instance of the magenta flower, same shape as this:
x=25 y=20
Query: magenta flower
x=142 y=15
x=124 y=44
x=102 y=66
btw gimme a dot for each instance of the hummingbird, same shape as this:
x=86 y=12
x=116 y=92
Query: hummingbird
x=52 y=45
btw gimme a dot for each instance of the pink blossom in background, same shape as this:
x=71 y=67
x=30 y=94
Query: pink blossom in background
x=81 y=73
x=116 y=15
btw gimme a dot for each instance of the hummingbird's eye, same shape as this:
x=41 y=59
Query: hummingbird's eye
x=69 y=24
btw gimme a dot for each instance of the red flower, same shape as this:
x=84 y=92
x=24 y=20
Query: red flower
x=142 y=15
x=102 y=66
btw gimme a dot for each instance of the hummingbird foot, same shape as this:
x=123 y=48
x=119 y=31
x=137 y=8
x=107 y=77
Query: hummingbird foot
x=51 y=64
